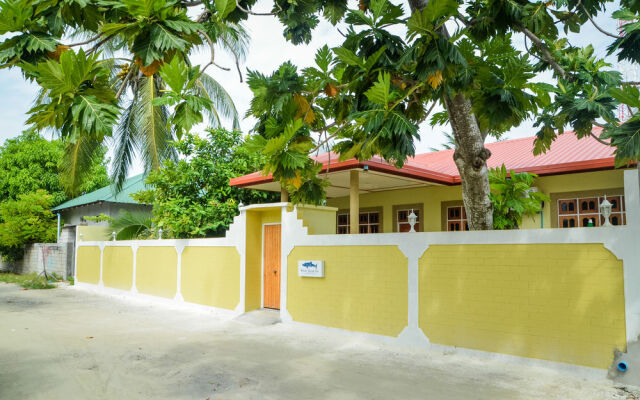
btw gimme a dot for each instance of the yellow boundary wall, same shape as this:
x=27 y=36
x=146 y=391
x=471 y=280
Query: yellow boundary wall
x=557 y=302
x=365 y=291
x=568 y=296
x=203 y=275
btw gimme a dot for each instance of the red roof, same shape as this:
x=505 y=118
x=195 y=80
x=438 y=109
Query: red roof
x=567 y=155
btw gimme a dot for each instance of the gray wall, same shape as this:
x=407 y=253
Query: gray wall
x=57 y=257
x=74 y=216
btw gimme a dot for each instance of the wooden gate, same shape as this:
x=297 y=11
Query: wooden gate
x=271 y=265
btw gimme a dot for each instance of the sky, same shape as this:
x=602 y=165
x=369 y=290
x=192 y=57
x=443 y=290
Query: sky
x=268 y=49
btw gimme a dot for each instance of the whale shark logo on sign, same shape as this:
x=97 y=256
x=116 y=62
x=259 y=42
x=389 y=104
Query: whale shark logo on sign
x=311 y=269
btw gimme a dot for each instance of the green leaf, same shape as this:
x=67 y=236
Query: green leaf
x=175 y=74
x=14 y=15
x=628 y=94
x=349 y=57
x=163 y=39
x=334 y=10
x=40 y=42
x=94 y=117
x=374 y=57
x=379 y=92
x=323 y=58
x=225 y=7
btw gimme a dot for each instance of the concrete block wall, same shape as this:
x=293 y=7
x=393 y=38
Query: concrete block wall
x=55 y=256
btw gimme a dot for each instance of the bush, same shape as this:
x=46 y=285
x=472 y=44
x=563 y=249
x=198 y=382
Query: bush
x=25 y=220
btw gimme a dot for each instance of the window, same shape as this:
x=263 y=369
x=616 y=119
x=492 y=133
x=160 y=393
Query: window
x=457 y=219
x=584 y=211
x=369 y=222
x=402 y=217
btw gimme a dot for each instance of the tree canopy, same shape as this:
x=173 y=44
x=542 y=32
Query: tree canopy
x=364 y=97
x=192 y=197
x=28 y=219
x=30 y=162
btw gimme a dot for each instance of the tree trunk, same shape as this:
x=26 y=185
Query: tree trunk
x=470 y=155
x=471 y=159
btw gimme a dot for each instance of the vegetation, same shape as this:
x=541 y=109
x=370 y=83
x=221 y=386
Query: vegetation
x=27 y=281
x=99 y=218
x=449 y=144
x=365 y=97
x=24 y=221
x=512 y=197
x=369 y=94
x=29 y=162
x=192 y=197
x=30 y=185
x=129 y=226
x=126 y=76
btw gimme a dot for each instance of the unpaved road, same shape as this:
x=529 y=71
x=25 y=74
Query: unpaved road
x=69 y=344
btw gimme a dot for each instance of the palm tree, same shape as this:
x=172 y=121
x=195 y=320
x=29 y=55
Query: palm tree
x=143 y=127
x=449 y=144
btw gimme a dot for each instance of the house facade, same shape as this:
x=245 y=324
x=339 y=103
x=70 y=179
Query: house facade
x=575 y=174
x=107 y=201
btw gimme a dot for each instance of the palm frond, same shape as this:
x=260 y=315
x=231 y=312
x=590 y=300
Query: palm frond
x=230 y=37
x=222 y=103
x=154 y=136
x=130 y=225
x=76 y=162
x=125 y=144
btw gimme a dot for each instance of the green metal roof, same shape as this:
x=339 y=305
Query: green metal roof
x=108 y=194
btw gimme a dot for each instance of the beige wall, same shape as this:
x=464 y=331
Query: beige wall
x=433 y=196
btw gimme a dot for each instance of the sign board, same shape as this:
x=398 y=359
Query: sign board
x=311 y=269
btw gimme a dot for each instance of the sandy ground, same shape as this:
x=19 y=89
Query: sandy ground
x=70 y=344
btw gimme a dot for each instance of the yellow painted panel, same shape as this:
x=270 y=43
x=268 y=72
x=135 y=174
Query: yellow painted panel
x=364 y=288
x=318 y=220
x=558 y=302
x=211 y=276
x=253 y=261
x=117 y=267
x=88 y=264
x=94 y=233
x=157 y=271
x=433 y=196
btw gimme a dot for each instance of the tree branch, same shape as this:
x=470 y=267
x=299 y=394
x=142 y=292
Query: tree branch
x=599 y=140
x=596 y=25
x=544 y=50
x=334 y=134
x=93 y=39
x=211 y=62
x=433 y=105
x=125 y=81
x=234 y=56
x=100 y=43
x=255 y=13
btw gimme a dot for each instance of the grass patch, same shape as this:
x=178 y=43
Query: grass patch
x=27 y=281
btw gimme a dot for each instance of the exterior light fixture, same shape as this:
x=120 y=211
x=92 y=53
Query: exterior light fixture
x=114 y=236
x=605 y=210
x=240 y=204
x=413 y=218
x=160 y=233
